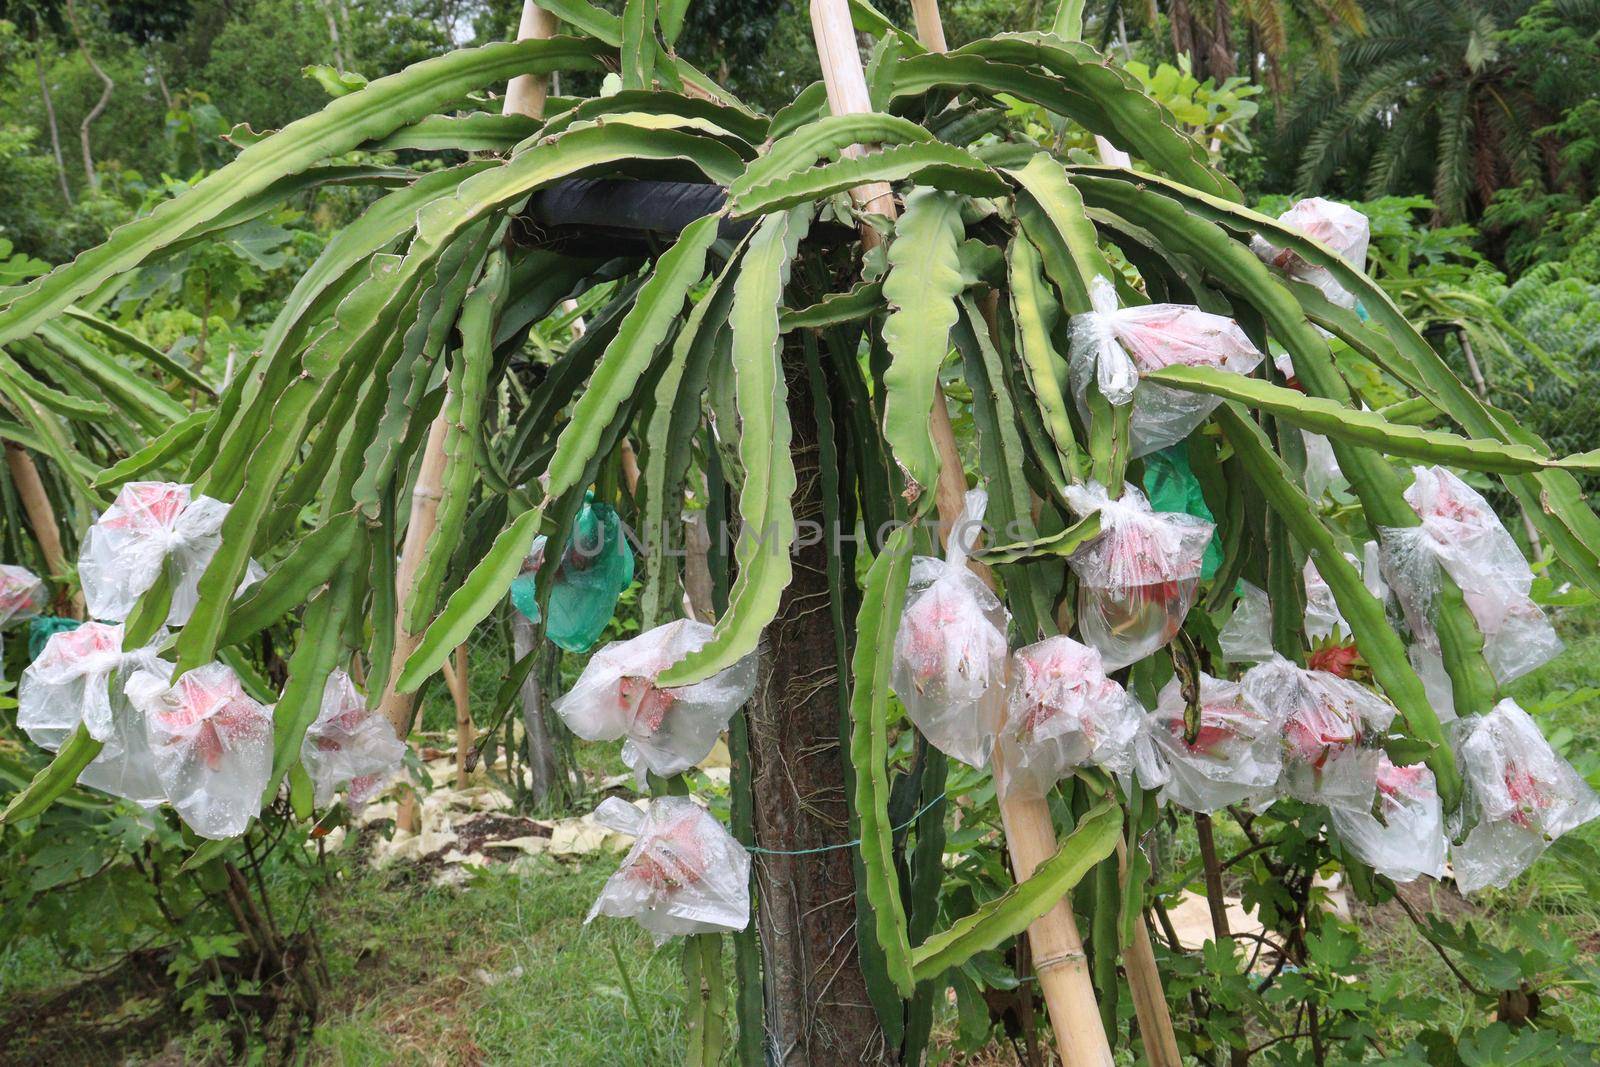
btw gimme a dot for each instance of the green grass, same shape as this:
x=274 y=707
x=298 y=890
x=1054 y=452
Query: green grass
x=411 y=963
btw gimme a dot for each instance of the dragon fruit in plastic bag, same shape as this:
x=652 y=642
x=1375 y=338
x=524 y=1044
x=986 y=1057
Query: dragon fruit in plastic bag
x=672 y=729
x=1331 y=729
x=79 y=678
x=684 y=875
x=1234 y=756
x=1063 y=713
x=22 y=594
x=152 y=526
x=1344 y=230
x=1461 y=534
x=1116 y=346
x=950 y=651
x=349 y=744
x=1403 y=835
x=1137 y=579
x=212 y=745
x=1520 y=792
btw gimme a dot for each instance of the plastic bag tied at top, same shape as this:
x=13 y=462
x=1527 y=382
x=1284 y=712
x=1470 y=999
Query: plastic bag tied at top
x=1137 y=579
x=950 y=650
x=1331 y=729
x=1235 y=756
x=684 y=875
x=79 y=678
x=596 y=566
x=672 y=729
x=1520 y=796
x=212 y=745
x=1403 y=835
x=349 y=744
x=1115 y=346
x=1461 y=534
x=1343 y=229
x=151 y=526
x=1063 y=712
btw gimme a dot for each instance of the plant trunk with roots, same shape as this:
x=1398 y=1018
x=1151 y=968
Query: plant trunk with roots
x=817 y=1008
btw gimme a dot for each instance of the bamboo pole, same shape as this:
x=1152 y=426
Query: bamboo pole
x=41 y=517
x=1059 y=961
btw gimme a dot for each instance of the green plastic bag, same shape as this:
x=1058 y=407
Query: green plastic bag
x=42 y=628
x=1170 y=484
x=595 y=568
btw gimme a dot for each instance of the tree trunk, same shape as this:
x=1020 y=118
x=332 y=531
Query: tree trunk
x=1222 y=63
x=50 y=120
x=817 y=1008
x=99 y=105
x=544 y=764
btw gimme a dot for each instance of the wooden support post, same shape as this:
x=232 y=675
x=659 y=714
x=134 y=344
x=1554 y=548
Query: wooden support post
x=461 y=694
x=1058 y=956
x=41 y=516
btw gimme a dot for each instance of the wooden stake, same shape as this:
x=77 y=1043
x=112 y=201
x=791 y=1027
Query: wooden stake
x=1059 y=961
x=460 y=693
x=41 y=516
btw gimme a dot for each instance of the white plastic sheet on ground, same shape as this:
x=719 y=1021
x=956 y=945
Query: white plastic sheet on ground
x=1331 y=729
x=672 y=729
x=79 y=678
x=950 y=650
x=1137 y=579
x=684 y=875
x=1063 y=713
x=212 y=745
x=1403 y=835
x=1343 y=229
x=1520 y=796
x=1236 y=755
x=1115 y=346
x=349 y=744
x=152 y=526
x=1461 y=534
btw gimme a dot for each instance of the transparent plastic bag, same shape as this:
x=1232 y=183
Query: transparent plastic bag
x=151 y=526
x=673 y=729
x=22 y=594
x=1115 y=346
x=348 y=742
x=1137 y=579
x=1322 y=611
x=1063 y=713
x=595 y=568
x=1236 y=755
x=1520 y=796
x=684 y=875
x=1331 y=729
x=1461 y=534
x=79 y=678
x=950 y=650
x=1247 y=635
x=212 y=745
x=1343 y=229
x=1403 y=835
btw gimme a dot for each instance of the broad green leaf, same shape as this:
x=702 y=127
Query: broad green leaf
x=55 y=779
x=1369 y=428
x=321 y=554
x=836 y=309
x=827 y=138
x=882 y=597
x=1058 y=545
x=766 y=516
x=480 y=131
x=938 y=166
x=923 y=282
x=1092 y=840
